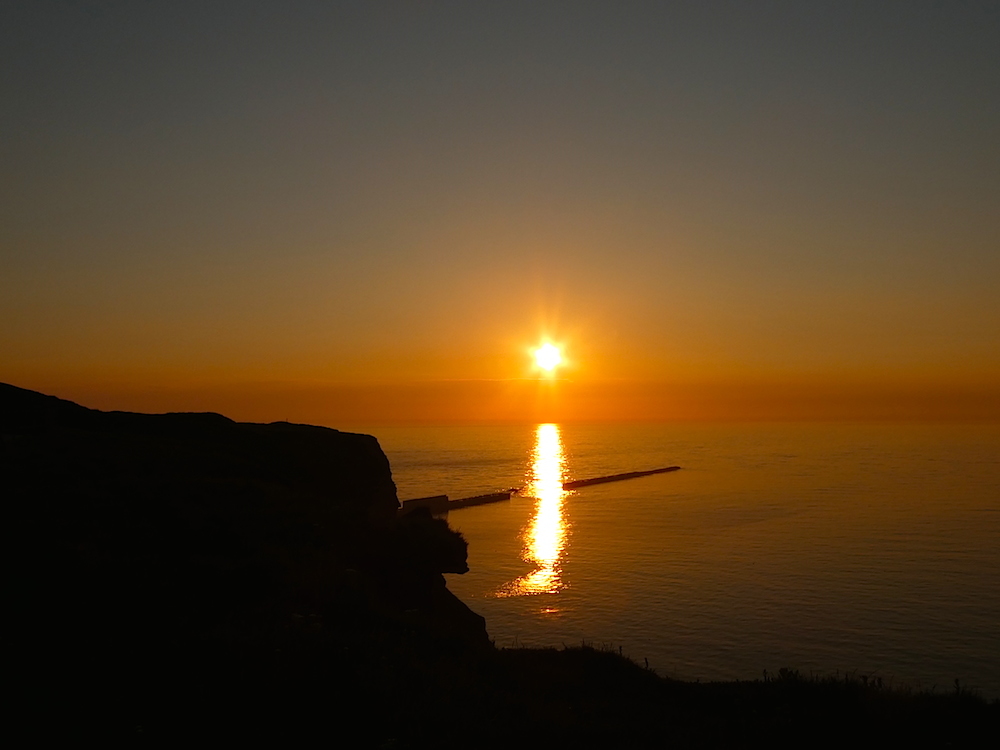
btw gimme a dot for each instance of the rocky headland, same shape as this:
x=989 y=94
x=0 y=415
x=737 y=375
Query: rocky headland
x=185 y=577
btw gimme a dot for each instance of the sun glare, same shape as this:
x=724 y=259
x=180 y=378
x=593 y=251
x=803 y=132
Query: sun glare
x=547 y=357
x=545 y=537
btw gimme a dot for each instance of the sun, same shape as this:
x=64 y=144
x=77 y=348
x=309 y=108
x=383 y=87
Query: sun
x=548 y=357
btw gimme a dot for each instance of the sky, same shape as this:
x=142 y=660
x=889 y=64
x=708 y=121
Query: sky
x=350 y=211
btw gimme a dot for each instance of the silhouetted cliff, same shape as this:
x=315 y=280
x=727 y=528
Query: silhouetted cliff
x=176 y=564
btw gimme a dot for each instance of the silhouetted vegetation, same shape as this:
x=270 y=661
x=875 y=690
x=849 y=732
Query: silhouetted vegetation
x=188 y=577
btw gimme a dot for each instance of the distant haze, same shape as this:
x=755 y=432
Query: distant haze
x=357 y=211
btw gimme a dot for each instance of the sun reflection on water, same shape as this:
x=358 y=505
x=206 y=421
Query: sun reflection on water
x=545 y=536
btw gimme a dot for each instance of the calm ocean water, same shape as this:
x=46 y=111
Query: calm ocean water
x=824 y=548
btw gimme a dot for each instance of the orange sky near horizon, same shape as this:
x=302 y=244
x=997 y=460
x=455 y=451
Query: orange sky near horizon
x=344 y=406
x=338 y=213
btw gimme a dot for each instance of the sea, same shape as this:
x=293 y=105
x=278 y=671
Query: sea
x=869 y=550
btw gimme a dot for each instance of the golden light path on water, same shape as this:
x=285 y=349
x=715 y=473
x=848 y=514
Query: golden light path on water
x=545 y=536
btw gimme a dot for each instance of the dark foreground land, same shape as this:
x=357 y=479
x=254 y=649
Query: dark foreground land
x=187 y=578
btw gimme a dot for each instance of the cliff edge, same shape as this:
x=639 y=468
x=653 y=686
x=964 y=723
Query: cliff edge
x=186 y=570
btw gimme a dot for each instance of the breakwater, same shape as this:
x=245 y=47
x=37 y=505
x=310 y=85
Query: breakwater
x=578 y=483
x=442 y=504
